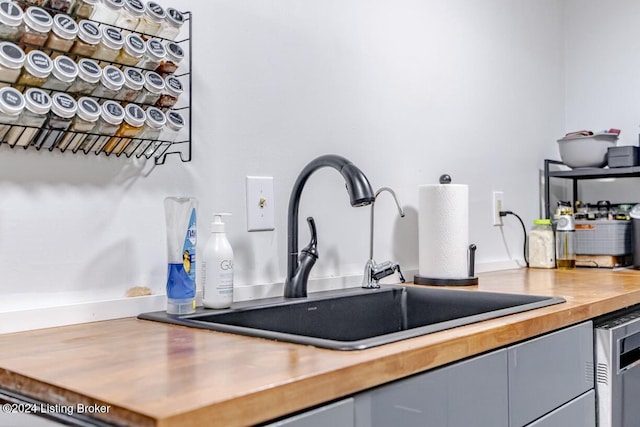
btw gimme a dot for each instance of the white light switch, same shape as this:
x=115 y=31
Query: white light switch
x=260 y=200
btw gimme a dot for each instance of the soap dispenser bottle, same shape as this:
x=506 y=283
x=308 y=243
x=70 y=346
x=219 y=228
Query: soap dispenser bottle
x=217 y=267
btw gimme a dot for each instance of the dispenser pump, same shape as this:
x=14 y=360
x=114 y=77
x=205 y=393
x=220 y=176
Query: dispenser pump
x=217 y=226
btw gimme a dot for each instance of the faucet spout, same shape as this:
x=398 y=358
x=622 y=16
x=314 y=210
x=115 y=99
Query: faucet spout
x=360 y=194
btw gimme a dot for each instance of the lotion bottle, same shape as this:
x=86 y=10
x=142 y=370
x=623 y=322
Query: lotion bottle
x=217 y=267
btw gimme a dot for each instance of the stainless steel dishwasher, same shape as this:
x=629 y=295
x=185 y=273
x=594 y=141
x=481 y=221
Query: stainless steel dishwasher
x=617 y=357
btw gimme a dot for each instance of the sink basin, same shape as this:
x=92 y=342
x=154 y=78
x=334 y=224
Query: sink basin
x=356 y=319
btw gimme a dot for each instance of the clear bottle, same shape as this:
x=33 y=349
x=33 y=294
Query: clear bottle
x=217 y=267
x=542 y=248
x=152 y=89
x=11 y=27
x=37 y=25
x=172 y=24
x=83 y=8
x=11 y=105
x=173 y=90
x=63 y=108
x=130 y=15
x=83 y=122
x=89 y=73
x=565 y=242
x=133 y=81
x=107 y=11
x=37 y=105
x=153 y=56
x=111 y=116
x=149 y=133
x=64 y=73
x=11 y=60
x=88 y=39
x=110 y=44
x=175 y=124
x=111 y=82
x=58 y=5
x=132 y=51
x=134 y=118
x=151 y=21
x=172 y=60
x=63 y=34
x=36 y=71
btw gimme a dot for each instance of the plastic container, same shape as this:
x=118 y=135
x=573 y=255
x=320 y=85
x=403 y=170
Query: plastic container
x=586 y=151
x=217 y=267
x=89 y=73
x=11 y=27
x=64 y=73
x=63 y=34
x=11 y=60
x=542 y=248
x=11 y=105
x=604 y=237
x=63 y=108
x=37 y=106
x=88 y=39
x=565 y=242
x=172 y=24
x=181 y=220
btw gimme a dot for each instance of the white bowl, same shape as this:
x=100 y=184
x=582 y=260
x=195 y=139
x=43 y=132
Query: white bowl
x=586 y=151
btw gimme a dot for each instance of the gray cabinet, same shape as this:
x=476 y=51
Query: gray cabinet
x=337 y=414
x=577 y=413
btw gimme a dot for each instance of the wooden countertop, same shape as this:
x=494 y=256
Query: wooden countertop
x=153 y=374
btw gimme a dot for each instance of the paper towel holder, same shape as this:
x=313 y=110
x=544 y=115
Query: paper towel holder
x=471 y=280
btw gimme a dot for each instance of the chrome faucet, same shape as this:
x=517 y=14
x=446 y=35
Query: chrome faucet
x=299 y=265
x=373 y=271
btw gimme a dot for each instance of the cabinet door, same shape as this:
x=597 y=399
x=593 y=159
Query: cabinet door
x=547 y=372
x=338 y=414
x=577 y=413
x=466 y=394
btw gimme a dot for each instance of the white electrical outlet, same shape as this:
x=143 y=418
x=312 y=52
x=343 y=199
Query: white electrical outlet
x=260 y=203
x=497 y=206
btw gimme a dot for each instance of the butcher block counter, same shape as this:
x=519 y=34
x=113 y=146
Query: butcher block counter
x=143 y=373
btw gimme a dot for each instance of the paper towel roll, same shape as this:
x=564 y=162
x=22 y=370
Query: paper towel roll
x=443 y=228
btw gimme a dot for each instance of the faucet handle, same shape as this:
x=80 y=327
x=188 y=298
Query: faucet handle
x=312 y=247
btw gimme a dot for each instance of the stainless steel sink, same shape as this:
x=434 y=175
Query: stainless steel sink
x=359 y=318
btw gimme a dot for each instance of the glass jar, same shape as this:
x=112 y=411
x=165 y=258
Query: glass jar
x=89 y=37
x=84 y=121
x=133 y=81
x=107 y=11
x=29 y=3
x=151 y=20
x=89 y=73
x=36 y=71
x=111 y=82
x=63 y=34
x=175 y=123
x=171 y=25
x=11 y=60
x=58 y=5
x=37 y=105
x=37 y=25
x=130 y=15
x=542 y=250
x=111 y=116
x=173 y=90
x=152 y=88
x=63 y=74
x=132 y=51
x=133 y=120
x=155 y=121
x=63 y=108
x=11 y=27
x=83 y=8
x=153 y=56
x=170 y=64
x=110 y=44
x=11 y=105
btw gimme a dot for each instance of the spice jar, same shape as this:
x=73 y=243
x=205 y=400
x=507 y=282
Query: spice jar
x=542 y=249
x=11 y=105
x=110 y=44
x=111 y=82
x=151 y=20
x=153 y=56
x=170 y=64
x=58 y=5
x=11 y=60
x=37 y=25
x=83 y=8
x=111 y=116
x=63 y=74
x=89 y=37
x=133 y=81
x=63 y=108
x=130 y=14
x=152 y=88
x=63 y=34
x=155 y=121
x=133 y=120
x=132 y=51
x=11 y=27
x=173 y=90
x=171 y=25
x=107 y=11
x=36 y=71
x=89 y=73
x=29 y=3
x=84 y=121
x=175 y=123
x=37 y=105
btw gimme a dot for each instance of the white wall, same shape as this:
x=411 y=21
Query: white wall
x=407 y=90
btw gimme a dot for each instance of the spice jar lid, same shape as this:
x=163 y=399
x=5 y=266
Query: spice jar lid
x=37 y=100
x=112 y=112
x=113 y=4
x=10 y=13
x=112 y=37
x=175 y=121
x=153 y=82
x=63 y=105
x=11 y=56
x=88 y=109
x=11 y=101
x=112 y=77
x=89 y=70
x=64 y=27
x=174 y=17
x=173 y=86
x=89 y=32
x=175 y=53
x=64 y=69
x=134 y=115
x=133 y=78
x=134 y=7
x=155 y=118
x=134 y=45
x=37 y=18
x=154 y=11
x=155 y=49
x=38 y=64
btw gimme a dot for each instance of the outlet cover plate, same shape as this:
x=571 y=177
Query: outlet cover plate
x=260 y=203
